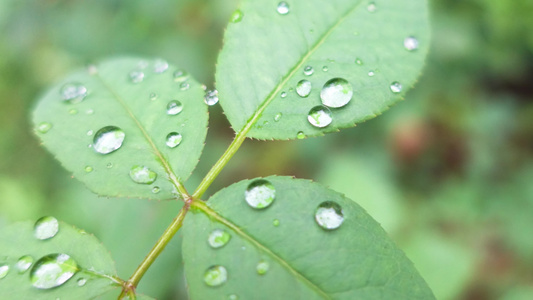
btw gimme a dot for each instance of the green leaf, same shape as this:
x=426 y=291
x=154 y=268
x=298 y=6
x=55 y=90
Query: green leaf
x=355 y=261
x=94 y=264
x=266 y=53
x=69 y=128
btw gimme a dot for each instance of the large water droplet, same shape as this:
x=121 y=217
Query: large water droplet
x=173 y=139
x=260 y=194
x=303 y=88
x=73 y=92
x=308 y=70
x=53 y=270
x=44 y=127
x=136 y=76
x=215 y=275
x=160 y=66
x=218 y=238
x=174 y=107
x=329 y=215
x=24 y=263
x=4 y=269
x=236 y=16
x=337 y=92
x=283 y=8
x=143 y=175
x=46 y=228
x=81 y=281
x=410 y=43
x=396 y=87
x=180 y=75
x=108 y=139
x=211 y=97
x=319 y=116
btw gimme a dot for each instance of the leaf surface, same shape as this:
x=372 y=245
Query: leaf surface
x=69 y=128
x=266 y=53
x=355 y=261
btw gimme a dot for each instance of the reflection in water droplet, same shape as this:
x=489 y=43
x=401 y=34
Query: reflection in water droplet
x=4 y=269
x=211 y=97
x=275 y=222
x=73 y=111
x=358 y=61
x=325 y=68
x=44 y=127
x=319 y=116
x=81 y=281
x=142 y=175
x=88 y=169
x=153 y=96
x=329 y=215
x=303 y=88
x=260 y=194
x=277 y=117
x=136 y=76
x=337 y=92
x=215 y=275
x=283 y=94
x=173 y=139
x=156 y=189
x=45 y=228
x=396 y=87
x=236 y=16
x=53 y=270
x=371 y=73
x=180 y=75
x=262 y=267
x=410 y=43
x=308 y=70
x=73 y=92
x=108 y=139
x=283 y=8
x=300 y=135
x=371 y=7
x=24 y=263
x=160 y=66
x=218 y=238
x=184 y=86
x=174 y=107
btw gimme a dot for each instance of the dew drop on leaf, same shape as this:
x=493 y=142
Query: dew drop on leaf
x=53 y=270
x=218 y=238
x=153 y=96
x=142 y=175
x=215 y=276
x=90 y=132
x=109 y=165
x=371 y=7
x=371 y=73
x=396 y=87
x=174 y=107
x=358 y=61
x=136 y=76
x=44 y=127
x=283 y=94
x=277 y=117
x=46 y=228
x=184 y=86
x=88 y=169
x=160 y=66
x=410 y=43
x=303 y=88
x=81 y=281
x=73 y=92
x=156 y=189
x=325 y=68
x=260 y=194
x=173 y=139
x=24 y=263
x=283 y=8
x=300 y=135
x=108 y=139
x=73 y=111
x=328 y=215
x=89 y=112
x=236 y=16
x=233 y=297
x=180 y=76
x=262 y=267
x=211 y=97
x=275 y=222
x=319 y=116
x=4 y=269
x=308 y=70
x=337 y=92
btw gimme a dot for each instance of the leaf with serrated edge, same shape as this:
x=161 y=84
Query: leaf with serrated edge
x=113 y=100
x=97 y=266
x=265 y=54
x=355 y=261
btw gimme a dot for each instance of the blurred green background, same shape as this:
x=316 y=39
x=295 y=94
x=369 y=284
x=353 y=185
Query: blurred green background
x=448 y=172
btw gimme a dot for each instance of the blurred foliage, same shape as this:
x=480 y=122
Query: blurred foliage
x=447 y=172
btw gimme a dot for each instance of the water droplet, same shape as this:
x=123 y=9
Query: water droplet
x=153 y=96
x=90 y=132
x=337 y=92
x=108 y=139
x=73 y=92
x=44 y=127
x=283 y=8
x=89 y=112
x=371 y=7
x=233 y=297
x=396 y=87
x=371 y=73
x=211 y=97
x=300 y=135
x=303 y=88
x=358 y=61
x=88 y=169
x=136 y=76
x=174 y=107
x=180 y=76
x=260 y=194
x=184 y=86
x=283 y=94
x=4 y=269
x=325 y=68
x=204 y=87
x=236 y=17
x=156 y=189
x=73 y=111
x=218 y=238
x=173 y=139
x=329 y=215
x=143 y=175
x=277 y=117
x=319 y=116
x=24 y=263
x=275 y=222
x=215 y=275
x=53 y=270
x=109 y=165
x=308 y=70
x=160 y=66
x=45 y=228
x=262 y=267
x=81 y=281
x=92 y=70
x=410 y=43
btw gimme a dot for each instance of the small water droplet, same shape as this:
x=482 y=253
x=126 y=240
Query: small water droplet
x=173 y=139
x=337 y=92
x=283 y=94
x=396 y=87
x=319 y=116
x=371 y=73
x=308 y=70
x=371 y=7
x=109 y=165
x=180 y=76
x=153 y=96
x=160 y=66
x=142 y=175
x=184 y=86
x=108 y=139
x=236 y=16
x=46 y=228
x=325 y=68
x=89 y=112
x=300 y=135
x=275 y=222
x=90 y=132
x=358 y=61
x=329 y=215
x=73 y=92
x=53 y=270
x=44 y=127
x=136 y=76
x=283 y=8
x=81 y=281
x=88 y=169
x=92 y=70
x=174 y=107
x=4 y=269
x=218 y=238
x=277 y=117
x=73 y=111
x=204 y=87
x=233 y=297
x=24 y=263
x=410 y=43
x=215 y=276
x=262 y=267
x=211 y=97
x=303 y=88
x=156 y=189
x=260 y=194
